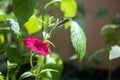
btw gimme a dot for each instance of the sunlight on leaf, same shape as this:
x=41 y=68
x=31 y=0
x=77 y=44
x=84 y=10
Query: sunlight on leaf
x=23 y=9
x=2 y=39
x=69 y=7
x=78 y=39
x=32 y=25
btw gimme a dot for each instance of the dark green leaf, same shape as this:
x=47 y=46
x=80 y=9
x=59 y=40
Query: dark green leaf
x=14 y=56
x=78 y=39
x=23 y=9
x=81 y=8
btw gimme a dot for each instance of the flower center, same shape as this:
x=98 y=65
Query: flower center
x=37 y=44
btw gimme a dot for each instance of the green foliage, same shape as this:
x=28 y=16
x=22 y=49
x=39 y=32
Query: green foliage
x=14 y=26
x=2 y=39
x=14 y=55
x=110 y=32
x=114 y=52
x=45 y=68
x=2 y=18
x=14 y=62
x=81 y=21
x=69 y=7
x=57 y=65
x=2 y=77
x=26 y=74
x=78 y=39
x=81 y=8
x=23 y=9
x=32 y=25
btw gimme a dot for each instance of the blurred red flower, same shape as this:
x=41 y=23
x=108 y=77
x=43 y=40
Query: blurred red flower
x=38 y=46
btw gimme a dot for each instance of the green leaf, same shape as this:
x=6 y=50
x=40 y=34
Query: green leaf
x=114 y=52
x=23 y=9
x=26 y=74
x=73 y=57
x=2 y=39
x=81 y=8
x=50 y=60
x=2 y=77
x=109 y=26
x=58 y=66
x=80 y=21
x=4 y=16
x=14 y=56
x=32 y=25
x=14 y=26
x=78 y=39
x=46 y=79
x=47 y=70
x=69 y=7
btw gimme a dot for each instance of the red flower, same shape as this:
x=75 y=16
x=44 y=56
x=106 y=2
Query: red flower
x=38 y=46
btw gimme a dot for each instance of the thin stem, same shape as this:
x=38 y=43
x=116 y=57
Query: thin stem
x=40 y=62
x=8 y=74
x=43 y=13
x=5 y=28
x=31 y=62
x=51 y=3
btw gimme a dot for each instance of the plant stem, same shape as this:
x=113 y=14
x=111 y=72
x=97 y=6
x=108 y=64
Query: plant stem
x=43 y=13
x=40 y=62
x=7 y=75
x=5 y=28
x=31 y=62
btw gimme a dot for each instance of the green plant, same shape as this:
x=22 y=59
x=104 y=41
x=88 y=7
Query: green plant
x=24 y=21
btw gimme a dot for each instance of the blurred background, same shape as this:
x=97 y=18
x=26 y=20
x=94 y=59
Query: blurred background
x=97 y=14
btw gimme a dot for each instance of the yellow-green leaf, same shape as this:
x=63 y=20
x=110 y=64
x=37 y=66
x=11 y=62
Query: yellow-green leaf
x=2 y=39
x=23 y=9
x=32 y=25
x=69 y=7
